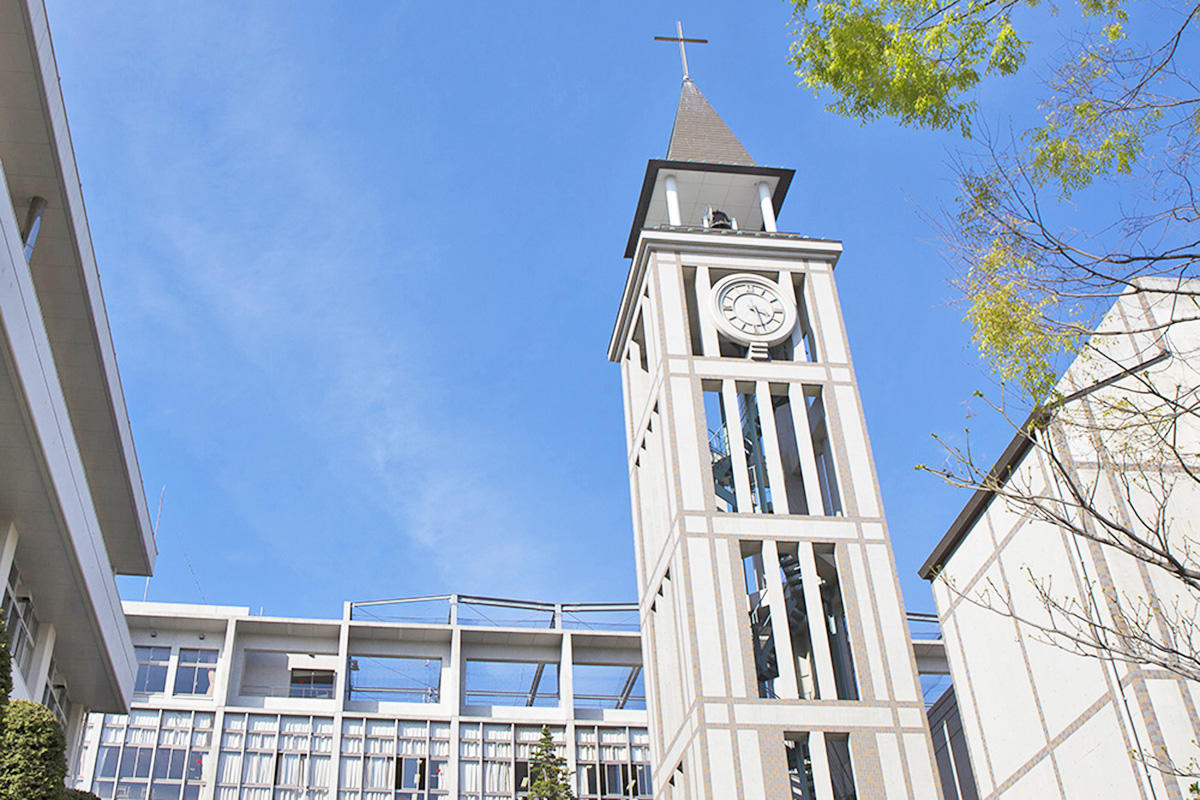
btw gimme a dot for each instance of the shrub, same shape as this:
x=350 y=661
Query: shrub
x=76 y=794
x=32 y=753
x=5 y=674
x=5 y=666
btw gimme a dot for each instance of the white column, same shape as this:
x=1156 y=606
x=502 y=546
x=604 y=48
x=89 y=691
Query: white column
x=225 y=665
x=76 y=726
x=452 y=698
x=818 y=633
x=208 y=773
x=566 y=694
x=804 y=447
x=819 y=758
x=768 y=210
x=788 y=687
x=672 y=192
x=89 y=747
x=39 y=665
x=737 y=448
x=770 y=443
x=566 y=675
x=708 y=329
x=342 y=677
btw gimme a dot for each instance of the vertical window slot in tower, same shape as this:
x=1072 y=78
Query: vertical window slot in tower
x=799 y=764
x=789 y=452
x=693 y=312
x=639 y=339
x=822 y=452
x=804 y=342
x=803 y=778
x=762 y=638
x=756 y=462
x=718 y=447
x=837 y=748
x=799 y=629
x=835 y=622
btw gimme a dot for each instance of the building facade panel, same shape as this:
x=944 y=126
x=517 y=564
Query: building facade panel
x=1017 y=593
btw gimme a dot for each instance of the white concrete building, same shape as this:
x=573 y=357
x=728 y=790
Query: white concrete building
x=1045 y=714
x=412 y=699
x=72 y=510
x=777 y=657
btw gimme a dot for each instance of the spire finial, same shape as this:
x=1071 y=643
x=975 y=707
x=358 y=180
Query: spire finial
x=679 y=38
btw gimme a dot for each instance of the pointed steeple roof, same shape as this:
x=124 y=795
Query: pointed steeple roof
x=700 y=135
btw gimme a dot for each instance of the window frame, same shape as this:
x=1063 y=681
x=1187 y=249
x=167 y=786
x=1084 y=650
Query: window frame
x=195 y=668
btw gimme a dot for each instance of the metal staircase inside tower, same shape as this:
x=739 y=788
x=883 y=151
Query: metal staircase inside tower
x=722 y=462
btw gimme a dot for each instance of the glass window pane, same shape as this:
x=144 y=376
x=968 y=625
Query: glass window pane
x=106 y=762
x=131 y=791
x=612 y=780
x=195 y=766
x=193 y=676
x=413 y=774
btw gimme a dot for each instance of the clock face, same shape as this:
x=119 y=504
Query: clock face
x=752 y=309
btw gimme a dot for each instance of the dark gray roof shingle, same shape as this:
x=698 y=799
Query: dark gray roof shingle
x=699 y=133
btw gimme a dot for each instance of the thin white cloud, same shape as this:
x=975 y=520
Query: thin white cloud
x=273 y=267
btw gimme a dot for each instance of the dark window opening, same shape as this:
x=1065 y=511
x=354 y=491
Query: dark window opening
x=822 y=452
x=789 y=453
x=756 y=461
x=799 y=763
x=311 y=683
x=835 y=622
x=799 y=630
x=718 y=448
x=762 y=635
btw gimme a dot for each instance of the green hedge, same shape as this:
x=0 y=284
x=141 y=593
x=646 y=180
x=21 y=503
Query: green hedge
x=76 y=794
x=33 y=760
x=5 y=674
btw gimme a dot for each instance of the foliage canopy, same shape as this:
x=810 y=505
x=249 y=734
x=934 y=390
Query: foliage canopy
x=1089 y=197
x=1118 y=111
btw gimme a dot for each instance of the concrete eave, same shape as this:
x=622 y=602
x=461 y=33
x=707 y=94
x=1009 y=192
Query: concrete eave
x=39 y=160
x=688 y=240
x=45 y=495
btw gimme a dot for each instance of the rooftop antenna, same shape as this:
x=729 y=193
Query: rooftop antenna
x=679 y=38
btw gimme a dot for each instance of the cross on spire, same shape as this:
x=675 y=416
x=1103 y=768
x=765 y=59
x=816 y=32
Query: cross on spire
x=679 y=38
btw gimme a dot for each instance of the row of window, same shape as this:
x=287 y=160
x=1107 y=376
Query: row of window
x=20 y=622
x=131 y=772
x=395 y=678
x=152 y=755
x=193 y=674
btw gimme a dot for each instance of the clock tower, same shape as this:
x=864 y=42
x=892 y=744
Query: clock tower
x=778 y=662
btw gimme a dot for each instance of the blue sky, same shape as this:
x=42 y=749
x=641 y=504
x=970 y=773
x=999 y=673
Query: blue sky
x=361 y=262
